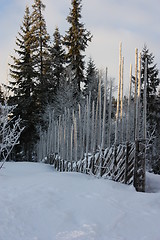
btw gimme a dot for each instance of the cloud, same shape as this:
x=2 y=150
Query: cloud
x=110 y=21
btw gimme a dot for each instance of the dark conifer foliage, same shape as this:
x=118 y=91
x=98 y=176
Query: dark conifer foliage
x=42 y=52
x=153 y=81
x=76 y=40
x=153 y=105
x=23 y=84
x=22 y=70
x=57 y=61
x=91 y=80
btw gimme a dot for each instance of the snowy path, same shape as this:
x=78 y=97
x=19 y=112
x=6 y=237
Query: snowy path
x=37 y=203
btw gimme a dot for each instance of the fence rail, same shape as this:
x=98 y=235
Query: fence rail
x=123 y=163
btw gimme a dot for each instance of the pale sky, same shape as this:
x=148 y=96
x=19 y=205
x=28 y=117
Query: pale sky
x=132 y=22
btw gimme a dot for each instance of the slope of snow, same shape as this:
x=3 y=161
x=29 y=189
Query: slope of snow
x=37 y=203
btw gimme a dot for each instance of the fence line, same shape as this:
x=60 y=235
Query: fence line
x=124 y=163
x=80 y=139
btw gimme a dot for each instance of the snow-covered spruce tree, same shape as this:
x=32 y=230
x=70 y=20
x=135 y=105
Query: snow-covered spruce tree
x=153 y=82
x=57 y=62
x=64 y=98
x=42 y=53
x=23 y=83
x=155 y=164
x=10 y=131
x=76 y=40
x=91 y=80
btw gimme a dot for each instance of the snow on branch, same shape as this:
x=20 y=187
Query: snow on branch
x=10 y=131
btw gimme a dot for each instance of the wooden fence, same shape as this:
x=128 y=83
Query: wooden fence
x=79 y=132
x=123 y=163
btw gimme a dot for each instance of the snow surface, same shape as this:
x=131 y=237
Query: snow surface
x=38 y=203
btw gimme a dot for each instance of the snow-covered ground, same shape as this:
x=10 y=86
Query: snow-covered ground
x=37 y=203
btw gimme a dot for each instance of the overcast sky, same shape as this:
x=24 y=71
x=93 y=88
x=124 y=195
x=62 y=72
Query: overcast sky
x=132 y=22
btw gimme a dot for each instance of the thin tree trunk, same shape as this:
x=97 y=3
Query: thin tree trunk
x=84 y=132
x=100 y=110
x=93 y=127
x=88 y=125
x=68 y=134
x=135 y=94
x=109 y=116
x=138 y=99
x=118 y=99
x=75 y=136
x=104 y=111
x=80 y=128
x=145 y=103
x=95 y=131
x=121 y=111
x=71 y=149
x=128 y=132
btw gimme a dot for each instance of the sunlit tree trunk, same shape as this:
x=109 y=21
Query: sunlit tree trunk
x=104 y=111
x=135 y=92
x=109 y=116
x=128 y=131
x=121 y=101
x=145 y=102
x=138 y=99
x=100 y=110
x=118 y=99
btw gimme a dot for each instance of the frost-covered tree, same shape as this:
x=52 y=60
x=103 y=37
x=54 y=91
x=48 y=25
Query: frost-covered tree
x=91 y=80
x=76 y=40
x=10 y=131
x=64 y=99
x=153 y=116
x=153 y=82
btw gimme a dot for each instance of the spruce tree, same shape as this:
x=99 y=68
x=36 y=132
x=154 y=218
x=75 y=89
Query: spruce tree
x=57 y=61
x=153 y=82
x=91 y=80
x=42 y=52
x=76 y=40
x=23 y=84
x=153 y=115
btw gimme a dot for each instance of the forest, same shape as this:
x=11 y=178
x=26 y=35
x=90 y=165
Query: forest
x=59 y=107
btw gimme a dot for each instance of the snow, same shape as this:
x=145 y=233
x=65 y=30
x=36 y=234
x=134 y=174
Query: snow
x=38 y=203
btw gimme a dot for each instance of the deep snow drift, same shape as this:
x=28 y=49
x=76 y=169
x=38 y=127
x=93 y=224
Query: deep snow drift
x=37 y=203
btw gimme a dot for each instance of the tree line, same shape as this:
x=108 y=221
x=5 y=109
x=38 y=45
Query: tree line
x=41 y=69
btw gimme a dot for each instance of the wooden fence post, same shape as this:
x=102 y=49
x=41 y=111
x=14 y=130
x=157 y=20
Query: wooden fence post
x=126 y=163
x=136 y=164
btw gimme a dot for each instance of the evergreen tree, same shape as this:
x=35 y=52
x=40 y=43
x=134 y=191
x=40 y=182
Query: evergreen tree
x=42 y=53
x=153 y=81
x=64 y=99
x=76 y=40
x=57 y=61
x=91 y=80
x=153 y=116
x=23 y=83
